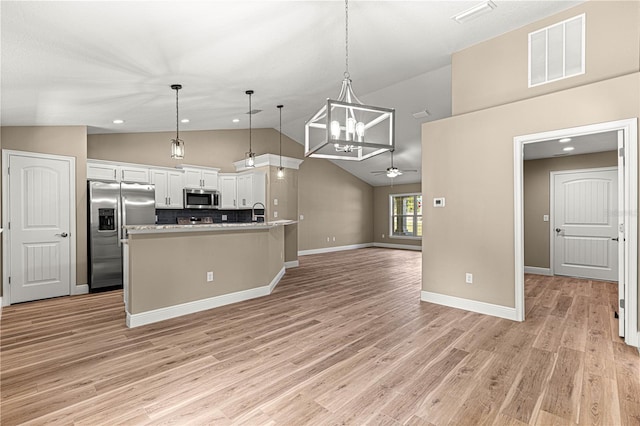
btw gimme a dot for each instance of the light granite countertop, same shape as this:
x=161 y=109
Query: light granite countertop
x=153 y=229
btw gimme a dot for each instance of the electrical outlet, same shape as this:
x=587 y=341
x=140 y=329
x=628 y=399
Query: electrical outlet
x=224 y=217
x=334 y=238
x=209 y=276
x=468 y=278
x=275 y=201
x=327 y=239
x=275 y=214
x=382 y=235
x=301 y=217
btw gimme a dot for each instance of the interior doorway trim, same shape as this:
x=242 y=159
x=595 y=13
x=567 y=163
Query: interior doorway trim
x=629 y=127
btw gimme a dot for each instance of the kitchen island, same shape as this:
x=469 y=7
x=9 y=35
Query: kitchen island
x=167 y=267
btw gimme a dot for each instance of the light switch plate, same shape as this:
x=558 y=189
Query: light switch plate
x=438 y=202
x=545 y=218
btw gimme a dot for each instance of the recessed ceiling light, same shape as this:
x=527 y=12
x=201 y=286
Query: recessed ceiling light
x=565 y=140
x=568 y=148
x=184 y=120
x=118 y=121
x=236 y=120
x=474 y=12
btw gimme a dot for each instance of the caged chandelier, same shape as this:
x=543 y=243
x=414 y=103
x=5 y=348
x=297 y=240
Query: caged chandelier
x=345 y=128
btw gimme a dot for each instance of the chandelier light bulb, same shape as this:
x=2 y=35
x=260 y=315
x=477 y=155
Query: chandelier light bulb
x=335 y=129
x=360 y=131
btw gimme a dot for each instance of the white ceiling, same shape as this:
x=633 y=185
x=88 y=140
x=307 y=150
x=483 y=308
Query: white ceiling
x=582 y=144
x=87 y=63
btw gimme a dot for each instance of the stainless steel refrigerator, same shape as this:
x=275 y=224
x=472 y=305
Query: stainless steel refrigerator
x=110 y=206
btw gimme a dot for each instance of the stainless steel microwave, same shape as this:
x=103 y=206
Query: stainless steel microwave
x=201 y=199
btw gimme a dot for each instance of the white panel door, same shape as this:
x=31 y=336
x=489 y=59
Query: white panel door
x=586 y=224
x=40 y=227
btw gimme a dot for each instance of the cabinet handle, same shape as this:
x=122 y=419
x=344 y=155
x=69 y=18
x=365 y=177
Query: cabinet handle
x=115 y=174
x=169 y=202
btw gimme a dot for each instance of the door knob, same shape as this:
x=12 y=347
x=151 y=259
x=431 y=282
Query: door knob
x=558 y=230
x=63 y=235
x=616 y=239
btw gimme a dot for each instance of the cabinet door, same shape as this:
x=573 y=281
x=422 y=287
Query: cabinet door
x=175 y=186
x=245 y=198
x=134 y=174
x=210 y=179
x=102 y=172
x=192 y=179
x=228 y=192
x=159 y=179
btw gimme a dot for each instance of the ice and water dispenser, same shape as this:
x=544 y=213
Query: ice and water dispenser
x=106 y=220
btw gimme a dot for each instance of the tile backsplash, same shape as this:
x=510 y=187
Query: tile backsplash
x=170 y=216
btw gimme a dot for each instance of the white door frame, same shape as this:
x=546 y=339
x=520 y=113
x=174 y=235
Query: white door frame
x=552 y=191
x=6 y=252
x=629 y=127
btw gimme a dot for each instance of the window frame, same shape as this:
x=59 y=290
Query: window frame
x=415 y=216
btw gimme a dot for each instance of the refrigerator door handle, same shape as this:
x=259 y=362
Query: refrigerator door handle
x=120 y=209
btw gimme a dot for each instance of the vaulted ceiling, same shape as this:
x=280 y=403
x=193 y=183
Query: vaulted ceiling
x=88 y=63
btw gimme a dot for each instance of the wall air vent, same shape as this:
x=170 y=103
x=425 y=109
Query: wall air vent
x=557 y=52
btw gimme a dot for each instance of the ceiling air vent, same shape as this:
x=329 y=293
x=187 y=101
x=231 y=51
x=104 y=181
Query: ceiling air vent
x=254 y=111
x=557 y=52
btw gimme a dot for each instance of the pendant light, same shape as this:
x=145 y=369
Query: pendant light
x=280 y=169
x=249 y=157
x=177 y=144
x=345 y=128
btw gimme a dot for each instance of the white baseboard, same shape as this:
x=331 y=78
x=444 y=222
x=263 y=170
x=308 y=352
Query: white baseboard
x=398 y=246
x=332 y=249
x=144 y=318
x=469 y=305
x=80 y=289
x=291 y=264
x=537 y=271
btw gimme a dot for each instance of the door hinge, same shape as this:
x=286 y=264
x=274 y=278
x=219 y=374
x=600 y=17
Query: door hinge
x=621 y=303
x=8 y=170
x=620 y=152
x=9 y=225
x=9 y=280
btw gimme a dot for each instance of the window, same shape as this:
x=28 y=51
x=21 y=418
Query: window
x=406 y=215
x=557 y=51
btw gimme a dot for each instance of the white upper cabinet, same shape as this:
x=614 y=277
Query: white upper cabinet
x=116 y=172
x=228 y=191
x=169 y=188
x=251 y=189
x=200 y=177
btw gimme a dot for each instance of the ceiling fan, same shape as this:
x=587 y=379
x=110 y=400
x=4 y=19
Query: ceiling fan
x=393 y=171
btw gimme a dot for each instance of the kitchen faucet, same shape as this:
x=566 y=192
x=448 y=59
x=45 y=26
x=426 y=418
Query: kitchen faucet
x=254 y=216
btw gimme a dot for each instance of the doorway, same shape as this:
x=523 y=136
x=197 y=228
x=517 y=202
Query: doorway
x=39 y=226
x=626 y=131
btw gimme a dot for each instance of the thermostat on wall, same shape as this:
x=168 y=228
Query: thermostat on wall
x=438 y=202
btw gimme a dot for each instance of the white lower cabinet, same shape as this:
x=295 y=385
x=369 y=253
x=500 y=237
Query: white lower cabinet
x=169 y=188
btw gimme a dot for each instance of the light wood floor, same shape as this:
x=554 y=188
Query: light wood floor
x=344 y=339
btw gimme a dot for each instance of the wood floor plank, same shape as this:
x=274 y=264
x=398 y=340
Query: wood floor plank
x=562 y=397
x=343 y=339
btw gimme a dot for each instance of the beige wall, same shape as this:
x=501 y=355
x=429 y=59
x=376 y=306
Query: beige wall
x=209 y=148
x=536 y=199
x=286 y=192
x=170 y=269
x=69 y=141
x=469 y=160
x=495 y=72
x=334 y=204
x=381 y=219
